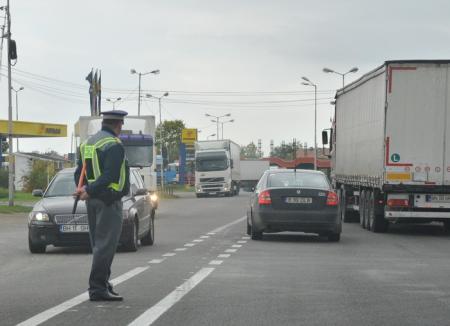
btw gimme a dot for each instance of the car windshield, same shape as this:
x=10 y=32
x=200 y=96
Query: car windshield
x=211 y=163
x=62 y=185
x=297 y=180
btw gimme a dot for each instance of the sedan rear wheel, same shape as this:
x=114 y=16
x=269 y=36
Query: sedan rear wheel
x=249 y=228
x=334 y=237
x=255 y=234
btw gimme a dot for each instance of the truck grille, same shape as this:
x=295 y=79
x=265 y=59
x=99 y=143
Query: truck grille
x=71 y=219
x=212 y=179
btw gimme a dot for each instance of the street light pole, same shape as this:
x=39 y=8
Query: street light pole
x=133 y=71
x=229 y=121
x=217 y=121
x=17 y=112
x=309 y=83
x=10 y=151
x=113 y=101
x=328 y=70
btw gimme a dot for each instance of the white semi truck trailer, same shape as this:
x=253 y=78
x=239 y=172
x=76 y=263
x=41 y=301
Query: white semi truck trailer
x=390 y=145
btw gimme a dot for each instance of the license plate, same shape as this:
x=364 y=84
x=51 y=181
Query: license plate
x=298 y=200
x=213 y=193
x=67 y=228
x=438 y=198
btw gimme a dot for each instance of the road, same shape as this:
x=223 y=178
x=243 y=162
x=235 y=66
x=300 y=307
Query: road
x=203 y=270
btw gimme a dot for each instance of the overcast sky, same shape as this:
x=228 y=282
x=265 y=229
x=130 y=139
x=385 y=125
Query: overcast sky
x=258 y=49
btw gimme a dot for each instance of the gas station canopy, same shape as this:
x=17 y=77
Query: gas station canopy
x=25 y=129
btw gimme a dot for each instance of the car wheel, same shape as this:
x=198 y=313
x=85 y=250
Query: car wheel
x=367 y=210
x=362 y=204
x=132 y=243
x=334 y=237
x=149 y=238
x=255 y=234
x=36 y=248
x=249 y=228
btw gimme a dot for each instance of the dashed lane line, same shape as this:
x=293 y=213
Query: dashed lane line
x=153 y=313
x=216 y=262
x=224 y=256
x=156 y=261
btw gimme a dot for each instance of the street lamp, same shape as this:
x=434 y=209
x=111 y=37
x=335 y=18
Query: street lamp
x=212 y=135
x=17 y=110
x=328 y=70
x=160 y=133
x=133 y=71
x=229 y=121
x=307 y=82
x=113 y=101
x=217 y=120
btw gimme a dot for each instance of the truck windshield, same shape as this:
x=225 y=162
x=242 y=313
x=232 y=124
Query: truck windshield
x=139 y=156
x=211 y=163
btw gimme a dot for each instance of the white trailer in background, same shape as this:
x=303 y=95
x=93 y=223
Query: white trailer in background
x=391 y=145
x=217 y=168
x=252 y=171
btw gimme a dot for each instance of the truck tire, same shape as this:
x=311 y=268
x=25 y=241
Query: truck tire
x=362 y=202
x=367 y=209
x=378 y=222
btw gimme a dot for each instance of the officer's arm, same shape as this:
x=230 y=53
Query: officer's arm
x=78 y=171
x=111 y=170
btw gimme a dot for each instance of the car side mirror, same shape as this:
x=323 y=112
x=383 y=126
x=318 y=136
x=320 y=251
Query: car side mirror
x=141 y=192
x=324 y=137
x=231 y=163
x=37 y=193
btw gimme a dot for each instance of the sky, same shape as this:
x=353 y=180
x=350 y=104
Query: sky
x=242 y=57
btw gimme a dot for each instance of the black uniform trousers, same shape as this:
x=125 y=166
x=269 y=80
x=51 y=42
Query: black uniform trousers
x=105 y=227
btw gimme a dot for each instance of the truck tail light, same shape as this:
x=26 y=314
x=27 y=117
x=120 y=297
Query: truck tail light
x=264 y=198
x=398 y=202
x=332 y=199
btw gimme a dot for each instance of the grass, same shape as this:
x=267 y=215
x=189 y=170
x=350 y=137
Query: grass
x=18 y=195
x=4 y=209
x=183 y=188
x=162 y=195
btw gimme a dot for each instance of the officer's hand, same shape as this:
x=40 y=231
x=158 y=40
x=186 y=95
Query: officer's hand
x=84 y=195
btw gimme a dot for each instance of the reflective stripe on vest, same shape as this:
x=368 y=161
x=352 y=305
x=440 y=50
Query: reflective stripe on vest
x=90 y=152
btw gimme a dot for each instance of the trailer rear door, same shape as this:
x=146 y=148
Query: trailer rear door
x=416 y=123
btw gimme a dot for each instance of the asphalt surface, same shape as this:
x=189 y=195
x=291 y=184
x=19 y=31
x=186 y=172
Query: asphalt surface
x=223 y=278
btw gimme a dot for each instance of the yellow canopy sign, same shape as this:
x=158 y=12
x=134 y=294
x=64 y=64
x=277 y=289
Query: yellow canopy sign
x=188 y=136
x=25 y=129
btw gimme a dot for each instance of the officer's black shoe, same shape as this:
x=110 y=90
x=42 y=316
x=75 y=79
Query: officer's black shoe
x=111 y=290
x=105 y=297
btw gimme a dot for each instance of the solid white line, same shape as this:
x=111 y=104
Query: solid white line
x=180 y=249
x=231 y=250
x=169 y=254
x=156 y=261
x=224 y=256
x=189 y=244
x=236 y=246
x=216 y=262
x=66 y=305
x=223 y=227
x=152 y=314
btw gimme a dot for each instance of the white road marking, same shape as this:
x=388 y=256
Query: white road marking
x=236 y=246
x=246 y=238
x=242 y=241
x=197 y=240
x=211 y=233
x=156 y=261
x=169 y=254
x=224 y=256
x=189 y=244
x=204 y=237
x=66 y=305
x=152 y=314
x=216 y=262
x=223 y=227
x=180 y=249
x=231 y=250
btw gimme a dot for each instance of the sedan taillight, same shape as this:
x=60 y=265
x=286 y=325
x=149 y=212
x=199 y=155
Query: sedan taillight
x=264 y=198
x=332 y=199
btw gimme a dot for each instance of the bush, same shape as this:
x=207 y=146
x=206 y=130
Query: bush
x=40 y=173
x=3 y=178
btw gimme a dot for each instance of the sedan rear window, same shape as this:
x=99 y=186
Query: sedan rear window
x=297 y=180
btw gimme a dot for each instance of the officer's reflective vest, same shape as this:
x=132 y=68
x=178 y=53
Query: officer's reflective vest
x=90 y=157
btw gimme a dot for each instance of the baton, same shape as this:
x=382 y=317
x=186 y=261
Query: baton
x=80 y=185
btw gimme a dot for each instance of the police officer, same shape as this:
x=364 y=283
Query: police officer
x=106 y=182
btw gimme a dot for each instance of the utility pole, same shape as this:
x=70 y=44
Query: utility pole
x=10 y=151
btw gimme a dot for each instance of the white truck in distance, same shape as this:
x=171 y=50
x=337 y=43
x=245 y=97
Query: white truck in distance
x=138 y=134
x=390 y=145
x=217 y=168
x=252 y=171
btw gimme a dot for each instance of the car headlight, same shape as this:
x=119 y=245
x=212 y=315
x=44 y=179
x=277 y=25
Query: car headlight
x=154 y=198
x=226 y=186
x=39 y=216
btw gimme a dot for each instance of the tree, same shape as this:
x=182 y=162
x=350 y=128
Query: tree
x=286 y=151
x=250 y=151
x=171 y=135
x=39 y=176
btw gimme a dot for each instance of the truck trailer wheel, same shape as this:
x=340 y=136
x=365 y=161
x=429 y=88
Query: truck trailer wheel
x=378 y=222
x=362 y=203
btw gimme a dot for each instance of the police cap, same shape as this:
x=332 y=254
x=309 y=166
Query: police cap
x=114 y=115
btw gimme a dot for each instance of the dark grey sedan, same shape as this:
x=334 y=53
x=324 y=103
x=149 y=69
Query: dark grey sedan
x=51 y=221
x=294 y=200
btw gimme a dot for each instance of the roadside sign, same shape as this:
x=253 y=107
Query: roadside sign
x=189 y=136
